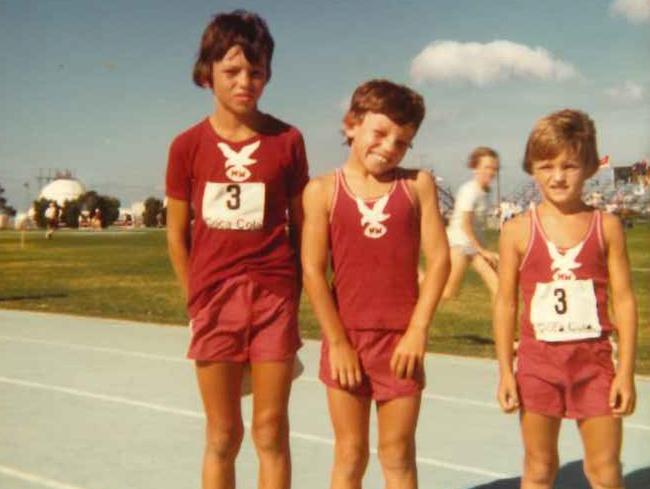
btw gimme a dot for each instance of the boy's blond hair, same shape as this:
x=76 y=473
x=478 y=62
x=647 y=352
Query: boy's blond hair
x=565 y=130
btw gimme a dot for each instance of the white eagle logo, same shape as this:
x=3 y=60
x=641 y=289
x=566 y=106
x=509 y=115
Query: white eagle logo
x=564 y=264
x=372 y=218
x=236 y=162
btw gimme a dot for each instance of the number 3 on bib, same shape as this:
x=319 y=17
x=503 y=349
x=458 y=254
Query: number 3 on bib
x=237 y=206
x=560 y=306
x=565 y=310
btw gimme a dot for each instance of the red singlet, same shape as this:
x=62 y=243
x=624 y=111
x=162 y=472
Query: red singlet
x=565 y=290
x=375 y=246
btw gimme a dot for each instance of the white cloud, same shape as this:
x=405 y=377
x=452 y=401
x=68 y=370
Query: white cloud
x=482 y=64
x=636 y=11
x=442 y=116
x=628 y=92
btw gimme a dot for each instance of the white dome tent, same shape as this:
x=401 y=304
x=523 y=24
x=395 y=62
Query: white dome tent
x=62 y=189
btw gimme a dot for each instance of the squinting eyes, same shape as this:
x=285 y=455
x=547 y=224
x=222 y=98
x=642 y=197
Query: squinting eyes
x=567 y=166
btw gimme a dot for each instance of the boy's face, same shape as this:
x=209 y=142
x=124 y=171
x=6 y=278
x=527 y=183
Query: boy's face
x=236 y=83
x=560 y=179
x=378 y=143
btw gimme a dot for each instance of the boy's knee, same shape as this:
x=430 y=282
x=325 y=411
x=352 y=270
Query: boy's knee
x=222 y=443
x=351 y=459
x=604 y=472
x=397 y=456
x=540 y=469
x=270 y=431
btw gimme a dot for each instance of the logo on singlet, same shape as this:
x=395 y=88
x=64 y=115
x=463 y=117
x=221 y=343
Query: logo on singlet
x=236 y=162
x=566 y=308
x=564 y=264
x=373 y=217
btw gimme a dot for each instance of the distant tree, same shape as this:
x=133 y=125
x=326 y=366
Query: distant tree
x=89 y=201
x=70 y=213
x=4 y=208
x=39 y=211
x=108 y=206
x=110 y=209
x=153 y=208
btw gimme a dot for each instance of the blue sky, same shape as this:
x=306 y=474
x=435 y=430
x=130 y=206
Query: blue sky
x=102 y=87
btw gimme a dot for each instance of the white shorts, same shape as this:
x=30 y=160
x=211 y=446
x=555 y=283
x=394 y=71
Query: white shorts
x=460 y=242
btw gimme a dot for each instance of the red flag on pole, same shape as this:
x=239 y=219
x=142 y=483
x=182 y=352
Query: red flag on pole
x=604 y=162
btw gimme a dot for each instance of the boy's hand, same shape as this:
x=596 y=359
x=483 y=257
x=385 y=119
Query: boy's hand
x=507 y=393
x=490 y=257
x=622 y=395
x=409 y=354
x=344 y=365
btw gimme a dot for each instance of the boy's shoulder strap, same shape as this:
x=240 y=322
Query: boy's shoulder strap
x=598 y=225
x=534 y=231
x=338 y=182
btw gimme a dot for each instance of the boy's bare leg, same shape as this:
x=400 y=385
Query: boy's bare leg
x=459 y=263
x=219 y=383
x=540 y=435
x=602 y=438
x=350 y=418
x=271 y=383
x=487 y=274
x=397 y=423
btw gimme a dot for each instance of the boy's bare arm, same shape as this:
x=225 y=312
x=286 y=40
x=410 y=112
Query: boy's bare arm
x=506 y=301
x=315 y=257
x=409 y=352
x=505 y=309
x=296 y=220
x=625 y=311
x=178 y=239
x=435 y=249
x=344 y=363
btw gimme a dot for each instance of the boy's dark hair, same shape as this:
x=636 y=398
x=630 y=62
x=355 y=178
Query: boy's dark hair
x=401 y=104
x=478 y=153
x=237 y=28
x=564 y=130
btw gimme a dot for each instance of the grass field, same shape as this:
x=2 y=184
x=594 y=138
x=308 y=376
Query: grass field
x=126 y=274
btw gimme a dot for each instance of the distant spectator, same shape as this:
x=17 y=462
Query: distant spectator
x=51 y=220
x=96 y=222
x=467 y=223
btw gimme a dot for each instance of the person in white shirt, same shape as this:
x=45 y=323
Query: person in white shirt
x=51 y=220
x=467 y=222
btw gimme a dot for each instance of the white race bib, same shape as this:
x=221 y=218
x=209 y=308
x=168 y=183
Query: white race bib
x=565 y=310
x=238 y=206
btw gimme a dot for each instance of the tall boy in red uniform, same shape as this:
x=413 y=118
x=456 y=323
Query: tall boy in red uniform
x=373 y=217
x=563 y=255
x=242 y=173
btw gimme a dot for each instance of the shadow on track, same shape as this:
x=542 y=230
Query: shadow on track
x=571 y=476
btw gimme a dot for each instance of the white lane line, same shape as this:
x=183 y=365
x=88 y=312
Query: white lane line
x=103 y=397
x=167 y=358
x=460 y=468
x=427 y=395
x=302 y=378
x=195 y=414
x=36 y=479
x=100 y=349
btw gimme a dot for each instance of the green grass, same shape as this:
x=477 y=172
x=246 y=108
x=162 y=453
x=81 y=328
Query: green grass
x=127 y=275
